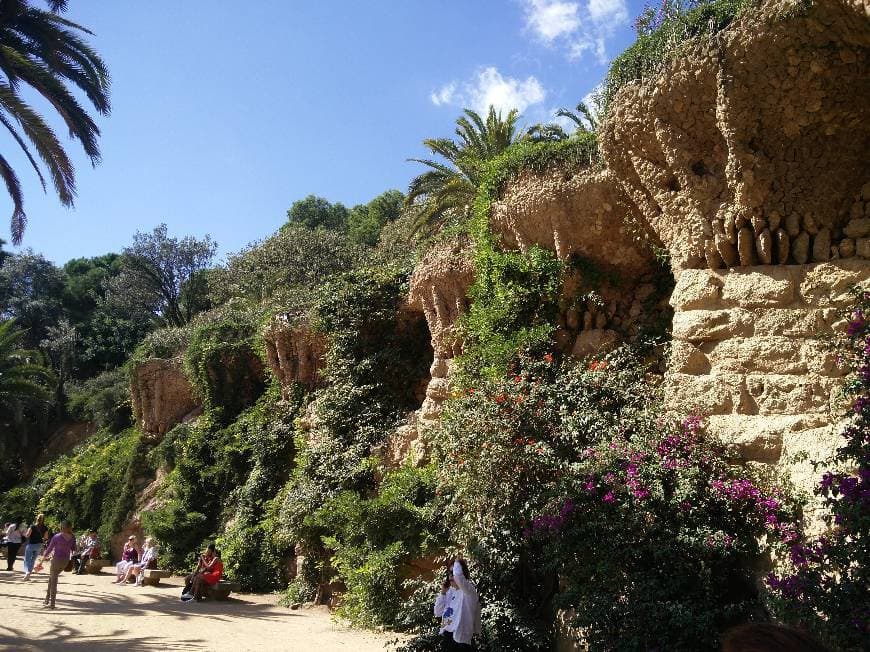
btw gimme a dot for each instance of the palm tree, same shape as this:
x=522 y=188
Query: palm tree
x=24 y=379
x=46 y=52
x=584 y=120
x=449 y=188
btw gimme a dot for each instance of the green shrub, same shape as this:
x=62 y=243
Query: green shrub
x=373 y=356
x=164 y=343
x=371 y=538
x=222 y=361
x=209 y=465
x=94 y=485
x=227 y=475
x=103 y=400
x=19 y=504
x=571 y=490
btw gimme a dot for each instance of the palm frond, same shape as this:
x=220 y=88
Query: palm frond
x=47 y=52
x=13 y=187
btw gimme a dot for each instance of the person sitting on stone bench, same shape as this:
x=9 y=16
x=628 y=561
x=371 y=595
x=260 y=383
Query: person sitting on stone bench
x=149 y=560
x=210 y=576
x=203 y=563
x=90 y=548
x=129 y=556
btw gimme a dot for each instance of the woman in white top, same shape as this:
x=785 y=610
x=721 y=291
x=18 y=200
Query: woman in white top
x=13 y=543
x=458 y=607
x=149 y=560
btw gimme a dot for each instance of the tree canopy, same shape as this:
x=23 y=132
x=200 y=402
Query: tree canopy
x=316 y=212
x=163 y=276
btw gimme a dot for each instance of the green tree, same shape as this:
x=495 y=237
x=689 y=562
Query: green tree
x=449 y=188
x=23 y=376
x=296 y=260
x=44 y=51
x=365 y=221
x=163 y=276
x=107 y=333
x=25 y=390
x=31 y=291
x=318 y=213
x=85 y=278
x=585 y=122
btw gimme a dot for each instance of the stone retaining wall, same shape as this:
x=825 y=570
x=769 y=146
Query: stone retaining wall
x=748 y=356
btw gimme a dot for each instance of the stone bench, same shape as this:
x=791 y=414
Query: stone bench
x=154 y=575
x=221 y=591
x=97 y=565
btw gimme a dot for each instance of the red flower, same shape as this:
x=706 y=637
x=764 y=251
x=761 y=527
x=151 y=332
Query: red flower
x=548 y=358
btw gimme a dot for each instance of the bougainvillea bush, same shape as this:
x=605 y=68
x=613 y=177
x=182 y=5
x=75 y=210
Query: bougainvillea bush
x=571 y=490
x=824 y=584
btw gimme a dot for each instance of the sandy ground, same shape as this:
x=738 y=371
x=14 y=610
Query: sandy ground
x=94 y=614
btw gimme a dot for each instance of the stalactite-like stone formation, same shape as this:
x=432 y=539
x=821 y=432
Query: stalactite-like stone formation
x=295 y=353
x=588 y=218
x=439 y=287
x=751 y=148
x=161 y=394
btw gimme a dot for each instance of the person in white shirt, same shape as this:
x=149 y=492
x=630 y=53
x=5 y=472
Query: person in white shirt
x=13 y=543
x=458 y=607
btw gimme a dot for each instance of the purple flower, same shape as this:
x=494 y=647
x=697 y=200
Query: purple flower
x=640 y=493
x=848 y=487
x=798 y=555
x=788 y=533
x=856 y=325
x=609 y=497
x=631 y=471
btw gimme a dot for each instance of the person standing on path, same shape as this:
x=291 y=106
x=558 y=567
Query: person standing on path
x=13 y=543
x=458 y=607
x=61 y=548
x=34 y=537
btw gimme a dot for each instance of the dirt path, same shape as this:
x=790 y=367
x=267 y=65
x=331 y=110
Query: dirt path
x=94 y=614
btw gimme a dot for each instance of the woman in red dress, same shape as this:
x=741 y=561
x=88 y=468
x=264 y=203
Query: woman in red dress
x=211 y=575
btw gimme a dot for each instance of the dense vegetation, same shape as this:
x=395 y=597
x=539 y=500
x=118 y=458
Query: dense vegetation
x=562 y=480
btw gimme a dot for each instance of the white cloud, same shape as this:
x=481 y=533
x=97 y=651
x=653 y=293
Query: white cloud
x=551 y=19
x=490 y=88
x=579 y=27
x=504 y=93
x=610 y=12
x=588 y=43
x=444 y=95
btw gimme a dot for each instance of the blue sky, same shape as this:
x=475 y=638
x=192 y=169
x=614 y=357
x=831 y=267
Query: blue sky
x=224 y=113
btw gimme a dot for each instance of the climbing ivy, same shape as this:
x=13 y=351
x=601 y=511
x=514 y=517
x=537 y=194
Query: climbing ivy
x=515 y=295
